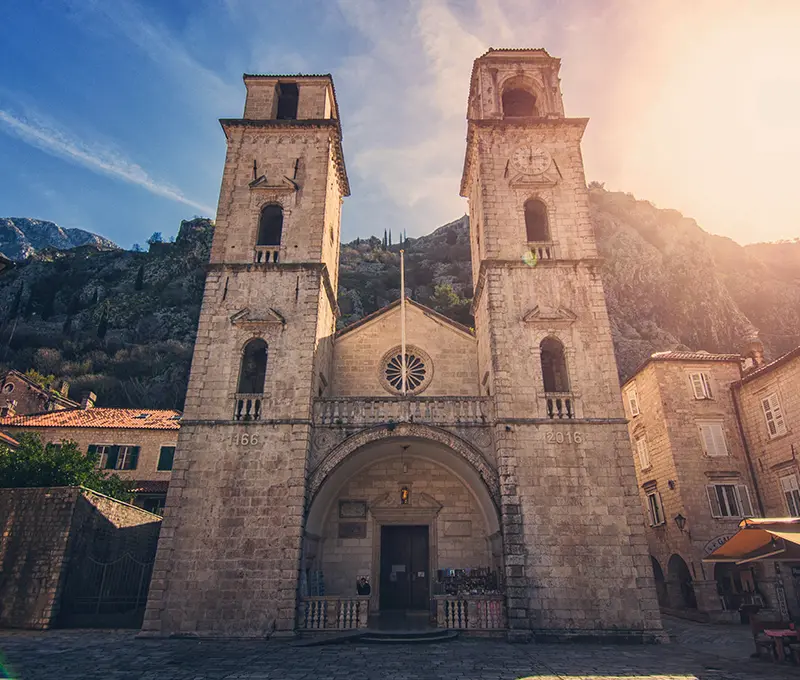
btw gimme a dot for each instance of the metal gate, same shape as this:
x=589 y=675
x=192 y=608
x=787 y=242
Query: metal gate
x=105 y=594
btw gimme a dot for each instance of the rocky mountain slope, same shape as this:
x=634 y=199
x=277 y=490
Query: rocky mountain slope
x=21 y=237
x=122 y=323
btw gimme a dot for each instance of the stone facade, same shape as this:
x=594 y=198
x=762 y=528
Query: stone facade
x=678 y=473
x=47 y=533
x=22 y=395
x=775 y=451
x=510 y=445
x=710 y=484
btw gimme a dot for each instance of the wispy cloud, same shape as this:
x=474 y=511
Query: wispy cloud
x=49 y=139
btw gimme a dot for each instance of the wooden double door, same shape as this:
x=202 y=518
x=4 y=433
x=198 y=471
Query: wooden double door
x=405 y=579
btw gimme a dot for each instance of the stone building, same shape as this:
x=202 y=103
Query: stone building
x=497 y=492
x=768 y=399
x=137 y=444
x=707 y=444
x=20 y=394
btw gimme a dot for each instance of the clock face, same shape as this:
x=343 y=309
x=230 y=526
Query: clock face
x=530 y=160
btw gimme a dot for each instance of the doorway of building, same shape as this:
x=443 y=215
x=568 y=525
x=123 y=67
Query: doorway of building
x=405 y=581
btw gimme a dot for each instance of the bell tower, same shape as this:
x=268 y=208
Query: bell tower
x=229 y=553
x=576 y=556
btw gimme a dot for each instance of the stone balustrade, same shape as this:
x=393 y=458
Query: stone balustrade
x=333 y=612
x=247 y=407
x=542 y=250
x=560 y=405
x=470 y=612
x=364 y=411
x=266 y=254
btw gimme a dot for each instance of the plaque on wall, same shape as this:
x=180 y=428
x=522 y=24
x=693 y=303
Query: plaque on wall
x=352 y=529
x=353 y=509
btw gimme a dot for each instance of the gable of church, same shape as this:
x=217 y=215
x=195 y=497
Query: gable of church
x=442 y=355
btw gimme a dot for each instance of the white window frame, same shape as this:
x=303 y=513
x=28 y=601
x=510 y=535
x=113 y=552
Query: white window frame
x=102 y=451
x=791 y=493
x=124 y=454
x=722 y=502
x=632 y=397
x=643 y=452
x=655 y=508
x=712 y=438
x=773 y=415
x=701 y=385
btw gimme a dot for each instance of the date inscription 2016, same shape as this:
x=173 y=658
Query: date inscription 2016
x=244 y=439
x=559 y=437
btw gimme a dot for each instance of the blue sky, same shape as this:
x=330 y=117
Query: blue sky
x=109 y=108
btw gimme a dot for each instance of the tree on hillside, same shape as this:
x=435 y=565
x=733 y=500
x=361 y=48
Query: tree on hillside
x=139 y=284
x=36 y=464
x=102 y=326
x=155 y=238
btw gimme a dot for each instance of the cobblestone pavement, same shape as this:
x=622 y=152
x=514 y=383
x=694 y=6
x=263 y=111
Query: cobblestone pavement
x=118 y=655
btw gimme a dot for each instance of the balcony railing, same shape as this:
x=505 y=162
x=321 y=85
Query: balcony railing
x=266 y=254
x=247 y=407
x=560 y=405
x=542 y=250
x=470 y=612
x=331 y=613
x=376 y=410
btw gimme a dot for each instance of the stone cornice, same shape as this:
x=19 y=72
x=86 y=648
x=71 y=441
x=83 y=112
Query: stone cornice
x=487 y=264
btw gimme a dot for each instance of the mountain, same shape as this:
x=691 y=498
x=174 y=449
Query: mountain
x=21 y=237
x=122 y=323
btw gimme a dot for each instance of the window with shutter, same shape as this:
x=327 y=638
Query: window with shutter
x=776 y=425
x=791 y=490
x=644 y=453
x=701 y=385
x=654 y=509
x=713 y=500
x=112 y=454
x=745 y=506
x=633 y=401
x=166 y=458
x=712 y=435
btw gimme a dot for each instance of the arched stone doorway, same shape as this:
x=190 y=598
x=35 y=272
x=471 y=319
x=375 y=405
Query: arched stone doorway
x=679 y=586
x=409 y=510
x=661 y=583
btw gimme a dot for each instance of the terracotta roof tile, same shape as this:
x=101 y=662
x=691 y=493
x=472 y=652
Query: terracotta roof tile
x=701 y=355
x=111 y=418
x=150 y=486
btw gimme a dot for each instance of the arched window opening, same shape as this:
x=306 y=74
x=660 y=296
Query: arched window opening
x=536 y=226
x=254 y=367
x=288 y=97
x=518 y=103
x=554 y=366
x=270 y=226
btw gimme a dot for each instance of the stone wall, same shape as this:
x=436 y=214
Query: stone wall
x=359 y=354
x=47 y=533
x=460 y=529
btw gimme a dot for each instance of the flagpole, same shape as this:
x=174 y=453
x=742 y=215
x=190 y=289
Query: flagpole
x=404 y=368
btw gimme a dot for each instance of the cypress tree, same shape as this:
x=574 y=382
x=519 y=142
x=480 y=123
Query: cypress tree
x=66 y=329
x=139 y=279
x=17 y=303
x=102 y=327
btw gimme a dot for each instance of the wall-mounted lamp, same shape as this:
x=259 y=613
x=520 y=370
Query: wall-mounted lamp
x=680 y=521
x=671 y=483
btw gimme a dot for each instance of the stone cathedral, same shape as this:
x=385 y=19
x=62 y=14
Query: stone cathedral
x=498 y=494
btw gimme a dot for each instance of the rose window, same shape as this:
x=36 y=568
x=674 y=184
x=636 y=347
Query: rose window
x=418 y=371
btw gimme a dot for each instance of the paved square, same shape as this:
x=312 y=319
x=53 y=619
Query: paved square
x=704 y=652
